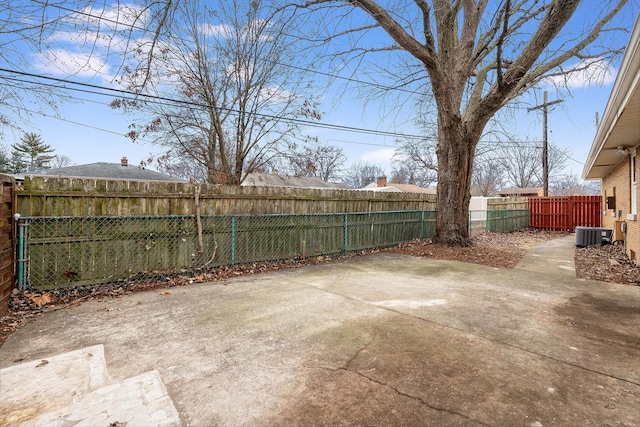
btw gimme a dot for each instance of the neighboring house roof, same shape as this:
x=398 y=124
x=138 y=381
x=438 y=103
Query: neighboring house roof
x=620 y=125
x=382 y=185
x=109 y=171
x=410 y=188
x=273 y=180
x=534 y=191
x=387 y=189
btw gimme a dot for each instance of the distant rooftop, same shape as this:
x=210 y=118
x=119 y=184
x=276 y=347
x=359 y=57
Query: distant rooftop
x=534 y=191
x=382 y=185
x=274 y=180
x=110 y=171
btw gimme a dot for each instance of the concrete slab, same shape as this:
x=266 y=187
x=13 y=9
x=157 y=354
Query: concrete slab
x=49 y=383
x=378 y=340
x=552 y=257
x=139 y=401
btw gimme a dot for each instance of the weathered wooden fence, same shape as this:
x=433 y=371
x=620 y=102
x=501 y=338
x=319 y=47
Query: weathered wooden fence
x=565 y=213
x=78 y=231
x=508 y=203
x=54 y=196
x=7 y=250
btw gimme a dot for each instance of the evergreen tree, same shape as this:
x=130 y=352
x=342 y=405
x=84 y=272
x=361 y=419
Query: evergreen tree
x=5 y=161
x=32 y=150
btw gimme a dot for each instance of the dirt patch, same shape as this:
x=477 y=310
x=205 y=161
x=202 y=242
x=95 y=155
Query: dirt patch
x=503 y=250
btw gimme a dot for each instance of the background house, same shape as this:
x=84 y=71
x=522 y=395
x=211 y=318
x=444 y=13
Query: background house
x=614 y=153
x=275 y=180
x=382 y=185
x=522 y=192
x=106 y=170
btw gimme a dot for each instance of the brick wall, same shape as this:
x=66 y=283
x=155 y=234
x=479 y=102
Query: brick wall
x=618 y=184
x=6 y=242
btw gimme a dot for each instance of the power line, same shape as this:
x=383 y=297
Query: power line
x=199 y=105
x=171 y=36
x=307 y=70
x=164 y=100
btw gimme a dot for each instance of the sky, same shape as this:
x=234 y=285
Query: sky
x=87 y=130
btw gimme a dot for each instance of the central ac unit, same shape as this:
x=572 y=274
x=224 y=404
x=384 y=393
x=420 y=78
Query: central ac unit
x=587 y=236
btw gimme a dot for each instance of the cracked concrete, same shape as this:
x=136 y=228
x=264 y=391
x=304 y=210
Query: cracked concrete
x=378 y=340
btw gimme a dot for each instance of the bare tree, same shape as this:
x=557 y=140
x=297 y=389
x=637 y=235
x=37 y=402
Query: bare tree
x=488 y=176
x=571 y=185
x=311 y=160
x=61 y=161
x=360 y=174
x=180 y=168
x=100 y=31
x=405 y=170
x=522 y=165
x=478 y=56
x=235 y=97
x=557 y=160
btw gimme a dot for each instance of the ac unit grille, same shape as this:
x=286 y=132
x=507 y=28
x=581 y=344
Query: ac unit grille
x=587 y=236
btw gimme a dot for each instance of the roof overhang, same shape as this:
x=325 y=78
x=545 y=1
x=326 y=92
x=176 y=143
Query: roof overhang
x=620 y=125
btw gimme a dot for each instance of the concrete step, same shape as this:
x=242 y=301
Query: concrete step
x=138 y=401
x=74 y=388
x=47 y=384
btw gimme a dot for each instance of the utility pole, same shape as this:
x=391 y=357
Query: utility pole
x=545 y=149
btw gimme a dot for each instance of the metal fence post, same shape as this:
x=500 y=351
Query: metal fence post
x=21 y=256
x=504 y=220
x=346 y=234
x=233 y=240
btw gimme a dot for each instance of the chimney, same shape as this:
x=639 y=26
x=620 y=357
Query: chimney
x=382 y=181
x=124 y=162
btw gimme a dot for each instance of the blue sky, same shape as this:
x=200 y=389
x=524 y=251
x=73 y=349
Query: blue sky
x=92 y=131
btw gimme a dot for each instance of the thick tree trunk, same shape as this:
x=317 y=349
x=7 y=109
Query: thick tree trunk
x=456 y=152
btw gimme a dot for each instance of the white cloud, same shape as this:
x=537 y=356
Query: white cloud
x=86 y=38
x=379 y=156
x=586 y=73
x=66 y=63
x=215 y=30
x=117 y=16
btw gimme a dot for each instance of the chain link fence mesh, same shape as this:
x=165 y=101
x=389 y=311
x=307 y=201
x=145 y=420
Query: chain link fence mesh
x=60 y=252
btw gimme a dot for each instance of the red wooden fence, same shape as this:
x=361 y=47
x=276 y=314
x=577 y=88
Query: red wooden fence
x=6 y=241
x=565 y=213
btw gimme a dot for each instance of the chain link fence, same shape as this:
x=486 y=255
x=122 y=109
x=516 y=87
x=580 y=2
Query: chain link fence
x=57 y=252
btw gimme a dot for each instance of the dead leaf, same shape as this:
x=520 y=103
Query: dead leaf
x=39 y=300
x=165 y=293
x=20 y=359
x=42 y=363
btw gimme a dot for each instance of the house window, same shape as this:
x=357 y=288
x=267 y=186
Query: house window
x=634 y=184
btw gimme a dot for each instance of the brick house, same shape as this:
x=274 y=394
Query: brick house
x=613 y=158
